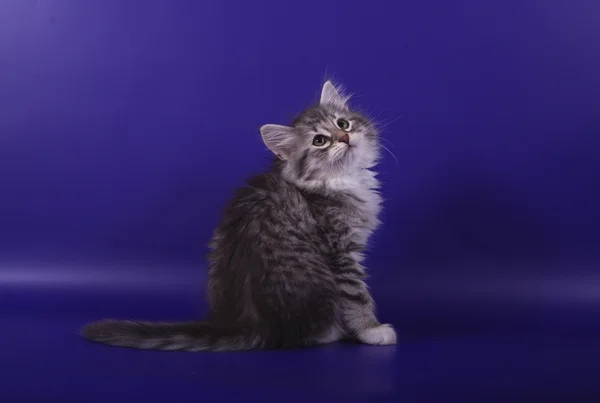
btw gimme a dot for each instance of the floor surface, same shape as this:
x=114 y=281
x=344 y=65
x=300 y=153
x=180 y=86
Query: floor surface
x=494 y=349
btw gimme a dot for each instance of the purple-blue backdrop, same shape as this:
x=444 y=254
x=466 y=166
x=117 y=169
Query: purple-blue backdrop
x=125 y=126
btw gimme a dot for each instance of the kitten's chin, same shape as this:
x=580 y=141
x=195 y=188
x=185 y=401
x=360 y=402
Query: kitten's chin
x=348 y=155
x=345 y=152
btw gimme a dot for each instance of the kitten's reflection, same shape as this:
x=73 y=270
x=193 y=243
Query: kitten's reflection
x=363 y=370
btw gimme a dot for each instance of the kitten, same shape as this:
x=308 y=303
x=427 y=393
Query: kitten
x=285 y=263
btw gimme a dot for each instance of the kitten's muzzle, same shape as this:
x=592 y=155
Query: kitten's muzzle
x=341 y=136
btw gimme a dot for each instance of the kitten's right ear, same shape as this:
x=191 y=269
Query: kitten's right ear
x=279 y=139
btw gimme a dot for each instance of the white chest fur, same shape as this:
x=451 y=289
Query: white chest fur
x=363 y=185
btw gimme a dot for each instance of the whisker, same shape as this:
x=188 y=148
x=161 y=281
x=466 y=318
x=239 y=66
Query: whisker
x=391 y=153
x=372 y=117
x=382 y=126
x=389 y=142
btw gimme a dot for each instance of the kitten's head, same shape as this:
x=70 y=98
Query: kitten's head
x=325 y=141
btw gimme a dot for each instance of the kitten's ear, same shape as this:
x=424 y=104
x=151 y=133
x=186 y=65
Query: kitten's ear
x=279 y=139
x=333 y=96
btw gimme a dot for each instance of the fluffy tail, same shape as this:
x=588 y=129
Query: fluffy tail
x=187 y=336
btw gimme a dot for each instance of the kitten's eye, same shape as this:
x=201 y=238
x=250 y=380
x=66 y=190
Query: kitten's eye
x=343 y=124
x=319 y=140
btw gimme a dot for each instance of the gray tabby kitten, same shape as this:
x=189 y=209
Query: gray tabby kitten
x=285 y=262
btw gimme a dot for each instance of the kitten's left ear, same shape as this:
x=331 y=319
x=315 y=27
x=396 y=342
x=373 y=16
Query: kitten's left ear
x=279 y=139
x=333 y=96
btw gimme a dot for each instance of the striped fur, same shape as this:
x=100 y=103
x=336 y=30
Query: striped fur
x=285 y=268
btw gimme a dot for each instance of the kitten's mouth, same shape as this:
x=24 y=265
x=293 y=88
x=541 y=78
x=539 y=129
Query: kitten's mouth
x=347 y=152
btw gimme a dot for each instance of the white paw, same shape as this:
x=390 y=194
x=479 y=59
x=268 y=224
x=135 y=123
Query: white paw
x=380 y=335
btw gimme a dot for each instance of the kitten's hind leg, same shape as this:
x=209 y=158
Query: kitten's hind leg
x=333 y=334
x=296 y=309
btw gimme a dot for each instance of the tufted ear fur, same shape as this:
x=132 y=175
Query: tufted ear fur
x=279 y=139
x=333 y=96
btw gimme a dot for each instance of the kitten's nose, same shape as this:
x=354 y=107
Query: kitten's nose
x=341 y=136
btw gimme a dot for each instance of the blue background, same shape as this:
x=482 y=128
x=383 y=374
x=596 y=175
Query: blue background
x=126 y=125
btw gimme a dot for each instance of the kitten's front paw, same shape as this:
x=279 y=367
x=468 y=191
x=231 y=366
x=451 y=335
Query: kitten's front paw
x=380 y=335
